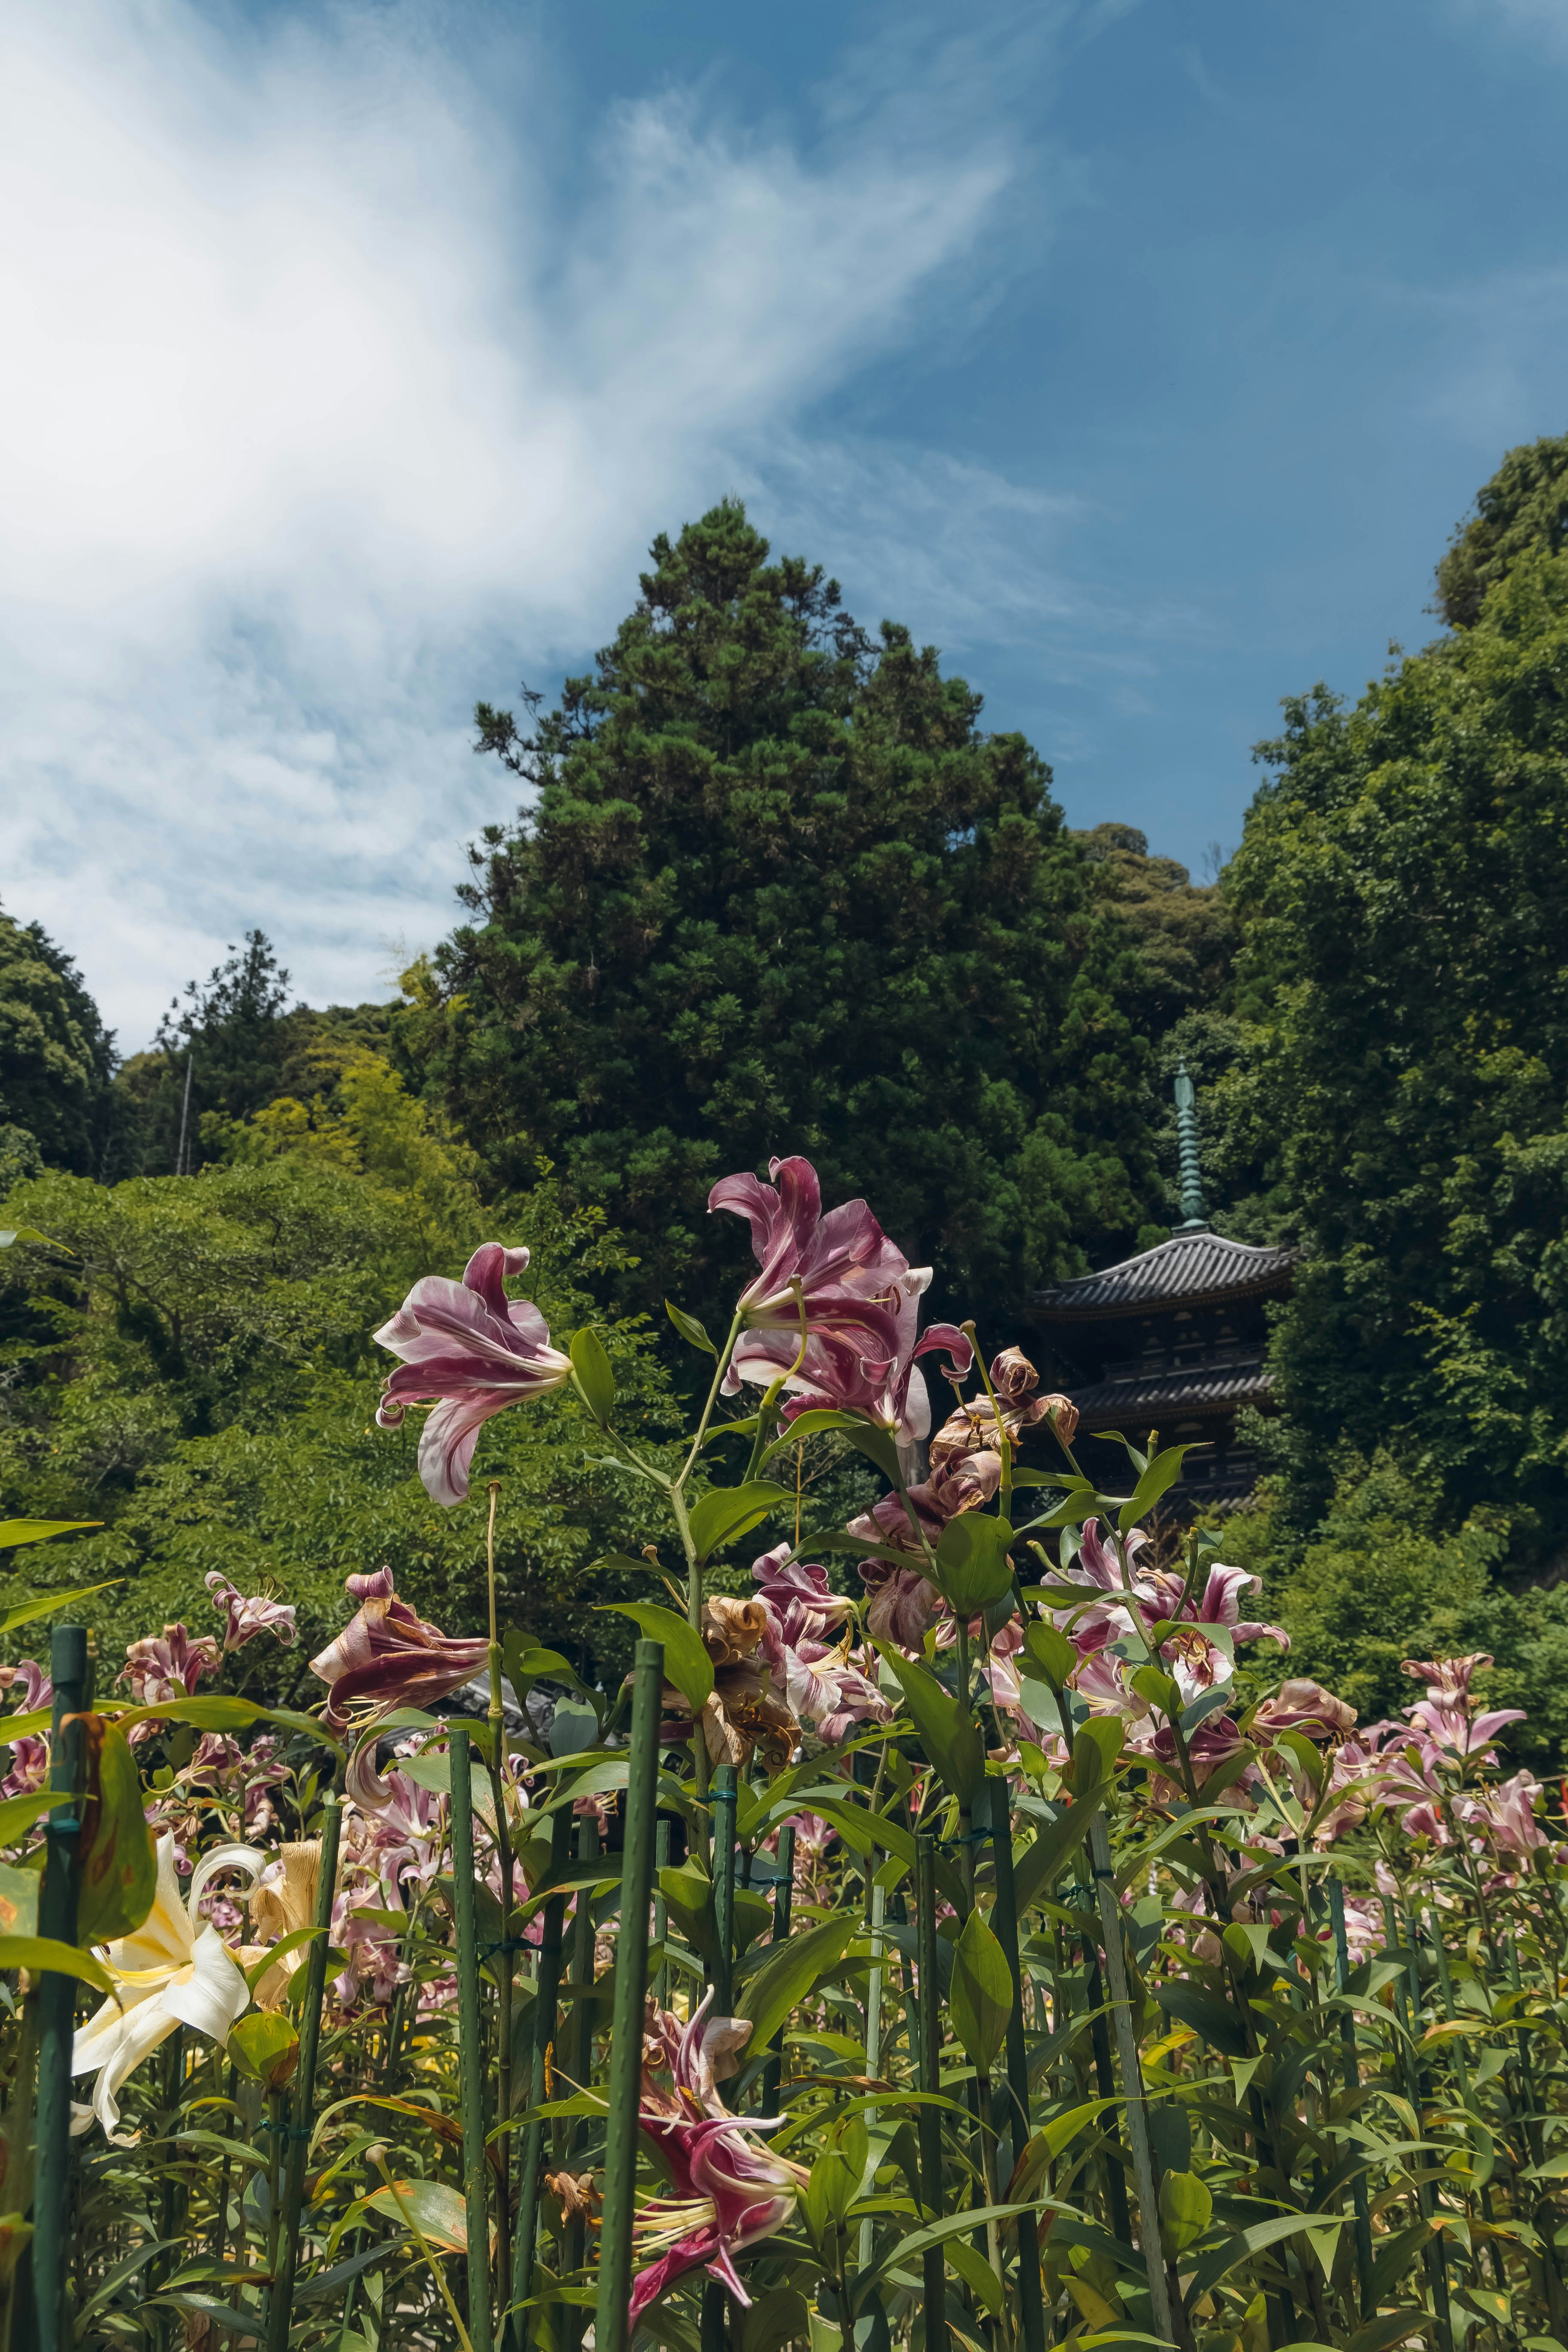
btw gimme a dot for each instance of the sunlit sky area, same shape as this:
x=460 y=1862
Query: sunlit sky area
x=1140 y=355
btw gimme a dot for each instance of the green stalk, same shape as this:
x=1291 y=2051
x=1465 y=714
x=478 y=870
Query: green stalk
x=56 y=1996
x=1005 y=1924
x=1351 y=2073
x=876 y=1913
x=784 y=1896
x=928 y=2123
x=547 y=1986
x=1462 y=2074
x=470 y=2041
x=1132 y=2076
x=1437 y=2270
x=612 y=2332
x=282 y=2305
x=497 y=1760
x=660 y=1915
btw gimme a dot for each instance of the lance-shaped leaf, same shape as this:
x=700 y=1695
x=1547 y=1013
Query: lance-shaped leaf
x=687 y=1664
x=41 y=1953
x=591 y=1368
x=1153 y=1481
x=1186 y=2209
x=689 y=1328
x=429 y=2206
x=266 y=2048
x=17 y=1814
x=44 y=1604
x=118 y=1854
x=726 y=1513
x=982 y=1993
x=1048 y=1648
x=790 y=1976
x=1094 y=1753
x=1039 y=1866
x=972 y=1567
x=947 y=1731
x=688 y=1893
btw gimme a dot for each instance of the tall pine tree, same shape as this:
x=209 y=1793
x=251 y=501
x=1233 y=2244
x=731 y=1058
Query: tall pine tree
x=773 y=890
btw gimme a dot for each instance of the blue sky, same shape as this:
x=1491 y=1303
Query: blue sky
x=1140 y=355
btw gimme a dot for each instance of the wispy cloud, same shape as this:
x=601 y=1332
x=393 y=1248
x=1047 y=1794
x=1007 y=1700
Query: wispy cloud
x=328 y=404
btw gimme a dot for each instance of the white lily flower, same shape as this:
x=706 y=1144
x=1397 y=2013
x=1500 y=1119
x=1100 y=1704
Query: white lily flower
x=174 y=1970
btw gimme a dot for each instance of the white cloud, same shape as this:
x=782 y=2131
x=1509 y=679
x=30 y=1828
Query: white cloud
x=328 y=402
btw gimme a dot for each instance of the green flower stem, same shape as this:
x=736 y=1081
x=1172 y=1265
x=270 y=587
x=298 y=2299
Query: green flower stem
x=928 y=2121
x=1005 y=1923
x=281 y=2313
x=876 y=1913
x=660 y=1915
x=56 y=1997
x=1132 y=2076
x=784 y=1896
x=722 y=1366
x=1351 y=2078
x=612 y=2332
x=1461 y=2073
x=547 y=1986
x=1425 y=2202
x=496 y=1722
x=470 y=2041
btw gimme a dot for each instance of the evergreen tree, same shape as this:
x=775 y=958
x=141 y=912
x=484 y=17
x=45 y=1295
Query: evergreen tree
x=227 y=1038
x=56 y=1063
x=774 y=890
x=1403 y=886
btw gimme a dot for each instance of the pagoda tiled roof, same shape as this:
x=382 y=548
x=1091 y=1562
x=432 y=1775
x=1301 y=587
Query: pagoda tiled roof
x=1159 y=1396
x=1189 y=1270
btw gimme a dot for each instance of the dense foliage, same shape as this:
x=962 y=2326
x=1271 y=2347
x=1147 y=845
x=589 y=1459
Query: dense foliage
x=1403 y=889
x=774 y=890
x=58 y=1107
x=197 y=1371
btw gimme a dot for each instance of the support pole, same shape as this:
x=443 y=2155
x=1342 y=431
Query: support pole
x=470 y=2043
x=56 y=1996
x=282 y=2303
x=611 y=2330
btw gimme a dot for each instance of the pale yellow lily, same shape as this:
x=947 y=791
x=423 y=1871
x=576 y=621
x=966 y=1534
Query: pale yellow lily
x=174 y=1970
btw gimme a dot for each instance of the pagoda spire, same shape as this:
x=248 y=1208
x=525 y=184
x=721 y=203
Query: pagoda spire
x=1193 y=1220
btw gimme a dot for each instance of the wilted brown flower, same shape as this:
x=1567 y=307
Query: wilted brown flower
x=731 y=1629
x=575 y=2192
x=971 y=1428
x=284 y=1899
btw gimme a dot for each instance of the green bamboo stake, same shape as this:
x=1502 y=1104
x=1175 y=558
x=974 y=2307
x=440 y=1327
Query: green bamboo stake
x=1132 y=2076
x=1004 y=1922
x=281 y=2311
x=612 y=2332
x=470 y=2041
x=1352 y=2077
x=547 y=1986
x=929 y=2125
x=56 y=1996
x=722 y=1975
x=784 y=1896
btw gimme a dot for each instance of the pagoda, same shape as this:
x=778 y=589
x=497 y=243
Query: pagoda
x=1173 y=1339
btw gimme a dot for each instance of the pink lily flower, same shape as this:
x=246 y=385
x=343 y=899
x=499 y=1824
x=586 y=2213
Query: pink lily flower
x=169 y=1666
x=474 y=1351
x=1506 y=1814
x=728 y=2192
x=244 y=1619
x=387 y=1656
x=848 y=1269
x=798 y=1594
x=824 y=1690
x=901 y=1603
x=1448 y=1716
x=836 y=1371
x=29 y=1757
x=1303 y=1706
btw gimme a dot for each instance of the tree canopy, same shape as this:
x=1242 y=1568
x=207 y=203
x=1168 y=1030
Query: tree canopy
x=1402 y=887
x=773 y=890
x=56 y=1062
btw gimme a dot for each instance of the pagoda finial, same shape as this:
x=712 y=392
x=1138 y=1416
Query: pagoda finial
x=1194 y=1221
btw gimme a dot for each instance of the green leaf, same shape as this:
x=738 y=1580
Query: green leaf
x=1214 y=2020
x=44 y=1953
x=591 y=1368
x=1040 y=1865
x=265 y=2047
x=1094 y=1753
x=790 y=1976
x=689 y=1328
x=119 y=1855
x=1390 y=2327
x=937 y=2234
x=1051 y=1651
x=212 y=1714
x=19 y=1900
x=688 y=1893
x=44 y=1604
x=1161 y=1474
x=687 y=1664
x=274 y=1952
x=438 y=2213
x=11 y=1234
x=726 y=1513
x=17 y=1814
x=972 y=1567
x=1186 y=2209
x=947 y=1731
x=981 y=1994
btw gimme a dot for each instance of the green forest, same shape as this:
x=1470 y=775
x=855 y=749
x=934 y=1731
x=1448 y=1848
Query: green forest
x=773 y=887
